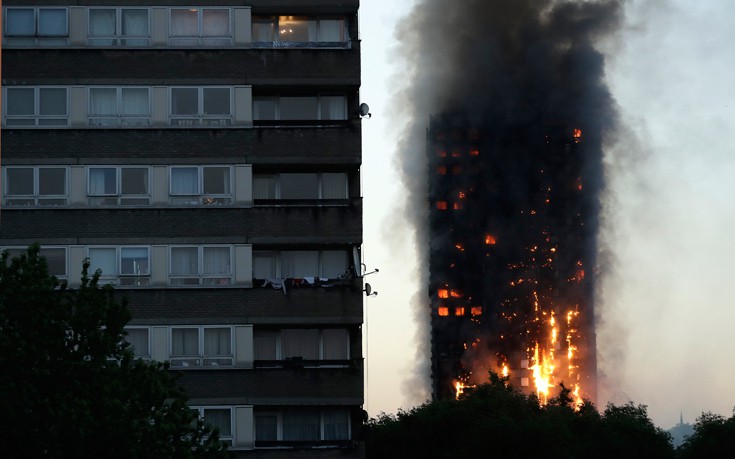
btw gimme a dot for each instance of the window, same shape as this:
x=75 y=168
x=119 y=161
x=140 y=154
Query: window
x=304 y=108
x=200 y=27
x=55 y=259
x=298 y=31
x=329 y=264
x=201 y=346
x=26 y=107
x=301 y=186
x=119 y=107
x=301 y=425
x=112 y=186
x=220 y=418
x=201 y=107
x=193 y=265
x=121 y=265
x=36 y=27
x=118 y=27
x=35 y=186
x=303 y=344
x=139 y=340
x=200 y=185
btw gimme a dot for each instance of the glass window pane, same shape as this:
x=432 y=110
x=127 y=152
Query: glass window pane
x=216 y=180
x=266 y=427
x=264 y=343
x=336 y=344
x=103 y=259
x=185 y=22
x=216 y=260
x=215 y=23
x=52 y=22
x=298 y=108
x=300 y=343
x=51 y=181
x=134 y=260
x=301 y=425
x=219 y=418
x=20 y=22
x=102 y=21
x=333 y=108
x=264 y=187
x=216 y=101
x=185 y=181
x=185 y=101
x=185 y=341
x=102 y=181
x=334 y=185
x=299 y=186
x=20 y=101
x=334 y=263
x=331 y=30
x=184 y=260
x=263 y=29
x=134 y=22
x=20 y=181
x=336 y=425
x=52 y=101
x=102 y=101
x=264 y=265
x=56 y=261
x=264 y=108
x=134 y=180
x=138 y=339
x=135 y=102
x=300 y=263
x=296 y=29
x=217 y=342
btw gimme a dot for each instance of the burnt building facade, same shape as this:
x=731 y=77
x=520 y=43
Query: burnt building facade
x=513 y=216
x=205 y=156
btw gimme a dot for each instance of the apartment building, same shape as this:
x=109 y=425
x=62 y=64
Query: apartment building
x=205 y=156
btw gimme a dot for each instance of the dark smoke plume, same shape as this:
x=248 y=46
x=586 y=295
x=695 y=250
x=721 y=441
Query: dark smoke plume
x=513 y=69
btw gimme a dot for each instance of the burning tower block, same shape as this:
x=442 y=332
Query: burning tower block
x=513 y=223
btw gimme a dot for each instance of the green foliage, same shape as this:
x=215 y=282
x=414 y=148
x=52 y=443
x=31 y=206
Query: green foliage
x=70 y=387
x=714 y=436
x=496 y=420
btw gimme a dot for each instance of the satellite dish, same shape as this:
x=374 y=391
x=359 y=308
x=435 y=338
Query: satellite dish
x=365 y=110
x=368 y=288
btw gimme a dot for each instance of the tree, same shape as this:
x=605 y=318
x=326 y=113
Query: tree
x=497 y=420
x=69 y=384
x=714 y=436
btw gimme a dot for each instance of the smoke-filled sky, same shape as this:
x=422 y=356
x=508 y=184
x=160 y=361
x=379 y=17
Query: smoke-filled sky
x=666 y=330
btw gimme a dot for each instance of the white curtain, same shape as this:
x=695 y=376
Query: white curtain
x=334 y=185
x=299 y=263
x=300 y=343
x=102 y=22
x=330 y=30
x=102 y=181
x=185 y=342
x=215 y=23
x=336 y=425
x=219 y=418
x=103 y=101
x=216 y=260
x=336 y=344
x=134 y=23
x=264 y=187
x=135 y=102
x=185 y=22
x=184 y=260
x=138 y=339
x=301 y=425
x=185 y=181
x=333 y=108
x=263 y=30
x=217 y=342
x=104 y=259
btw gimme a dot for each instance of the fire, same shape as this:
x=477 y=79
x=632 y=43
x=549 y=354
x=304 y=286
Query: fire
x=443 y=293
x=459 y=311
x=542 y=369
x=474 y=152
x=456 y=294
x=577 y=134
x=490 y=239
x=443 y=311
x=441 y=205
x=476 y=310
x=505 y=372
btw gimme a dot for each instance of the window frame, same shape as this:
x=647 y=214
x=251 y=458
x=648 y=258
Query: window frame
x=201 y=276
x=200 y=119
x=320 y=361
x=38 y=39
x=37 y=197
x=319 y=117
x=200 y=359
x=319 y=200
x=63 y=279
x=119 y=197
x=147 y=355
x=120 y=119
x=200 y=198
x=200 y=38
x=280 y=430
x=277 y=42
x=227 y=439
x=119 y=279
x=278 y=254
x=36 y=117
x=118 y=37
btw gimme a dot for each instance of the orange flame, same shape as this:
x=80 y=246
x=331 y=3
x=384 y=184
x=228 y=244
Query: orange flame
x=490 y=239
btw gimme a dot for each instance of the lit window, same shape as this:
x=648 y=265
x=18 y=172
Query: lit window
x=443 y=293
x=194 y=265
x=119 y=107
x=118 y=27
x=35 y=186
x=36 y=27
x=200 y=27
x=476 y=310
x=30 y=107
x=201 y=107
x=443 y=311
x=459 y=311
x=297 y=30
x=441 y=205
x=457 y=206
